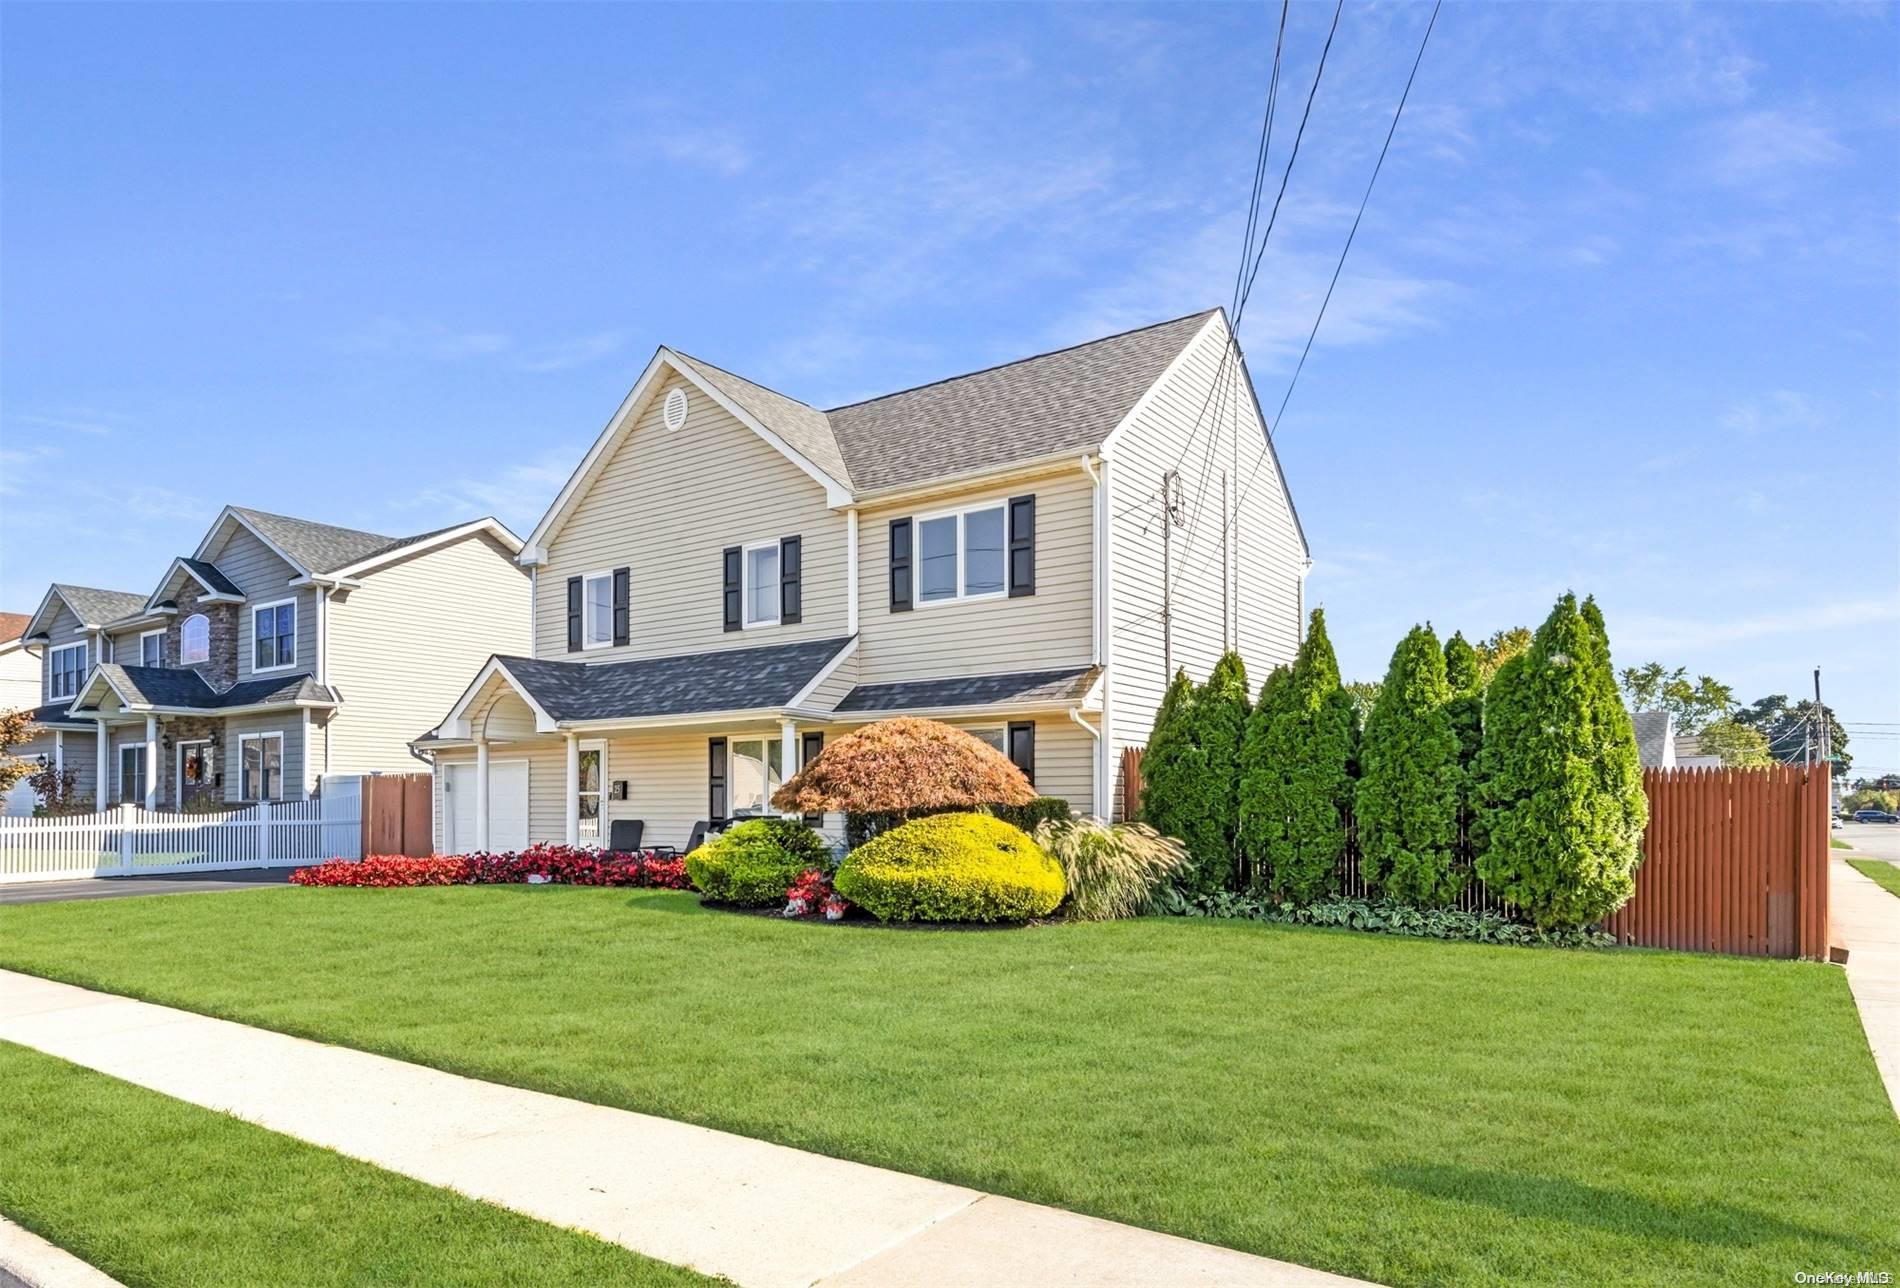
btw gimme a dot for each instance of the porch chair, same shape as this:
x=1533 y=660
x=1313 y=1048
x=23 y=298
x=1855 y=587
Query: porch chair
x=623 y=837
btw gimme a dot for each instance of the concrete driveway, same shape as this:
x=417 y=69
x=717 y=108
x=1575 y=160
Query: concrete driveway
x=165 y=883
x=1876 y=840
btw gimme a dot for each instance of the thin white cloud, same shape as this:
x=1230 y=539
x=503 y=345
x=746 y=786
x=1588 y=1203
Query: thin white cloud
x=395 y=337
x=517 y=494
x=565 y=355
x=74 y=421
x=719 y=150
x=1783 y=409
x=1662 y=634
x=1768 y=146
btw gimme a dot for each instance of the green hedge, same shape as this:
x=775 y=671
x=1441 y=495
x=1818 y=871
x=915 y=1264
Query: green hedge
x=753 y=862
x=952 y=867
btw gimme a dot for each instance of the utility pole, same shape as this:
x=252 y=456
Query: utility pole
x=1827 y=738
x=1170 y=519
x=1226 y=635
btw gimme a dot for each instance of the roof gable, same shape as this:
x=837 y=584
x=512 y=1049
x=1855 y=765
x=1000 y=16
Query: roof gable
x=91 y=606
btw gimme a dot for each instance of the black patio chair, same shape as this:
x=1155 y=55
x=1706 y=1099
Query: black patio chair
x=623 y=837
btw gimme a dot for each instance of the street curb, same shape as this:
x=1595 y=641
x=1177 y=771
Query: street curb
x=28 y=1261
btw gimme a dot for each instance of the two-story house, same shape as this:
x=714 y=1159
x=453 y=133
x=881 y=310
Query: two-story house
x=279 y=651
x=731 y=576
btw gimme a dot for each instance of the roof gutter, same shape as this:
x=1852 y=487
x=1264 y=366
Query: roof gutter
x=949 y=482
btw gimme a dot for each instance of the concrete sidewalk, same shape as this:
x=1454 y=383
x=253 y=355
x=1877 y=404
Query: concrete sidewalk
x=760 y=1214
x=1867 y=921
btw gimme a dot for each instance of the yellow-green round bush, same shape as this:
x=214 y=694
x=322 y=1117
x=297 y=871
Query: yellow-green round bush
x=952 y=867
x=752 y=863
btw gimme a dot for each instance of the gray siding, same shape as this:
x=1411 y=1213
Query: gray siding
x=290 y=725
x=263 y=576
x=404 y=645
x=63 y=629
x=665 y=506
x=1265 y=560
x=81 y=756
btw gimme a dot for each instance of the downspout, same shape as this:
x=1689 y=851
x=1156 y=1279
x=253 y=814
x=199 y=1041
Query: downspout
x=1104 y=632
x=323 y=678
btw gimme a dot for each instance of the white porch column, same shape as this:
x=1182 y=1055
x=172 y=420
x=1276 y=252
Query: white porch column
x=481 y=795
x=59 y=751
x=573 y=809
x=787 y=751
x=102 y=791
x=151 y=762
x=304 y=771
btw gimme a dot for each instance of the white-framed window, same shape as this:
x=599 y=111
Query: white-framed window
x=152 y=648
x=961 y=554
x=65 y=669
x=274 y=635
x=597 y=610
x=995 y=735
x=762 y=584
x=132 y=773
x=194 y=640
x=261 y=766
x=755 y=768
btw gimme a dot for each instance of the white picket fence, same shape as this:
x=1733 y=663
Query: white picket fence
x=130 y=841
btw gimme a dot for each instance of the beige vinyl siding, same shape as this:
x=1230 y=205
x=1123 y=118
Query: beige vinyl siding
x=404 y=645
x=666 y=505
x=1265 y=561
x=263 y=576
x=1052 y=628
x=290 y=725
x=831 y=692
x=20 y=678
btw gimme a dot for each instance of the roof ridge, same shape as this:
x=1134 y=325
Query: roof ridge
x=315 y=523
x=1016 y=362
x=728 y=371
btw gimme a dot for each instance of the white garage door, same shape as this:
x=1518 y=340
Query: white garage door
x=507 y=807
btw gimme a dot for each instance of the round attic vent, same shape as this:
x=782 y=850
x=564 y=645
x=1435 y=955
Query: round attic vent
x=675 y=411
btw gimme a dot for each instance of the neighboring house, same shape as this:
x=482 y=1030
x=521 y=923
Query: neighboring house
x=1689 y=753
x=1661 y=747
x=730 y=577
x=19 y=689
x=280 y=650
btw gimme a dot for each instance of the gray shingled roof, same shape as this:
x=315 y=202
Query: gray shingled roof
x=98 y=606
x=1068 y=400
x=319 y=547
x=1652 y=736
x=1054 y=687
x=53 y=713
x=803 y=427
x=734 y=679
x=209 y=574
x=164 y=686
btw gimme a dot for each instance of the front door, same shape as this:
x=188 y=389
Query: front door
x=198 y=783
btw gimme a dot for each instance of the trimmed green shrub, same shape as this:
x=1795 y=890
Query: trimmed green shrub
x=1210 y=815
x=1044 y=809
x=1465 y=681
x=952 y=867
x=1380 y=917
x=1112 y=870
x=1170 y=767
x=1406 y=801
x=1560 y=808
x=1296 y=779
x=751 y=864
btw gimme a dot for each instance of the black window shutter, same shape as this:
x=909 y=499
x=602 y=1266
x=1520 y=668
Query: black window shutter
x=1022 y=747
x=621 y=577
x=716 y=778
x=733 y=557
x=900 y=565
x=573 y=614
x=791 y=596
x=810 y=745
x=1022 y=546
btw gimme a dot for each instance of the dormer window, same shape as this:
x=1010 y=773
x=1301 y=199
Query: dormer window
x=66 y=667
x=194 y=640
x=152 y=648
x=274 y=635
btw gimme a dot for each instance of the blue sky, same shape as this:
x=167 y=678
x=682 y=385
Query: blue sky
x=1623 y=315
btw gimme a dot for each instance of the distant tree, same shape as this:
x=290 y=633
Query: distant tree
x=16 y=729
x=1499 y=649
x=1406 y=800
x=1871 y=798
x=1790 y=730
x=1739 y=746
x=1364 y=694
x=1171 y=765
x=1219 y=725
x=1297 y=784
x=1695 y=706
x=1560 y=799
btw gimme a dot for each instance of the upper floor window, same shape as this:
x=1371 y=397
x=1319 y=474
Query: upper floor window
x=599 y=601
x=960 y=555
x=152 y=648
x=66 y=667
x=762 y=584
x=194 y=640
x=275 y=629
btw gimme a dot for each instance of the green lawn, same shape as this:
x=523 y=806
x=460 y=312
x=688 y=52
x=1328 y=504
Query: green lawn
x=1404 y=1110
x=154 y=1191
x=1887 y=874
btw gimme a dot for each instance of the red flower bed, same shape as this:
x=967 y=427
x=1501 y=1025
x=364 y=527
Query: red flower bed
x=555 y=864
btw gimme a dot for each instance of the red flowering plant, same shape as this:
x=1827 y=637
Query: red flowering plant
x=536 y=865
x=811 y=893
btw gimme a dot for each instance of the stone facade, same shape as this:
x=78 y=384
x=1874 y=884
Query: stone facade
x=221 y=670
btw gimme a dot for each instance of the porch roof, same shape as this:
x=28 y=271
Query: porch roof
x=170 y=688
x=1066 y=687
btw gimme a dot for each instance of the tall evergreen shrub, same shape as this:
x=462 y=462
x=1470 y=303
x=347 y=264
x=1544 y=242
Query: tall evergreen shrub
x=1465 y=683
x=1171 y=765
x=1561 y=805
x=1219 y=722
x=1406 y=801
x=1297 y=782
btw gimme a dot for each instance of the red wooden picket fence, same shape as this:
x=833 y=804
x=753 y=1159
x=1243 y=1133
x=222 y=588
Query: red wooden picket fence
x=1734 y=861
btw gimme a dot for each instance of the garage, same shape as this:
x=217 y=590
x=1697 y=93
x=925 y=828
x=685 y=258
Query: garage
x=507 y=807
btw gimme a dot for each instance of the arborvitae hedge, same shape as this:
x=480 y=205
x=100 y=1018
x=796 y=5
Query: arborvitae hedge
x=1296 y=783
x=1561 y=804
x=1171 y=766
x=1406 y=800
x=1219 y=722
x=1255 y=829
x=1466 y=706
